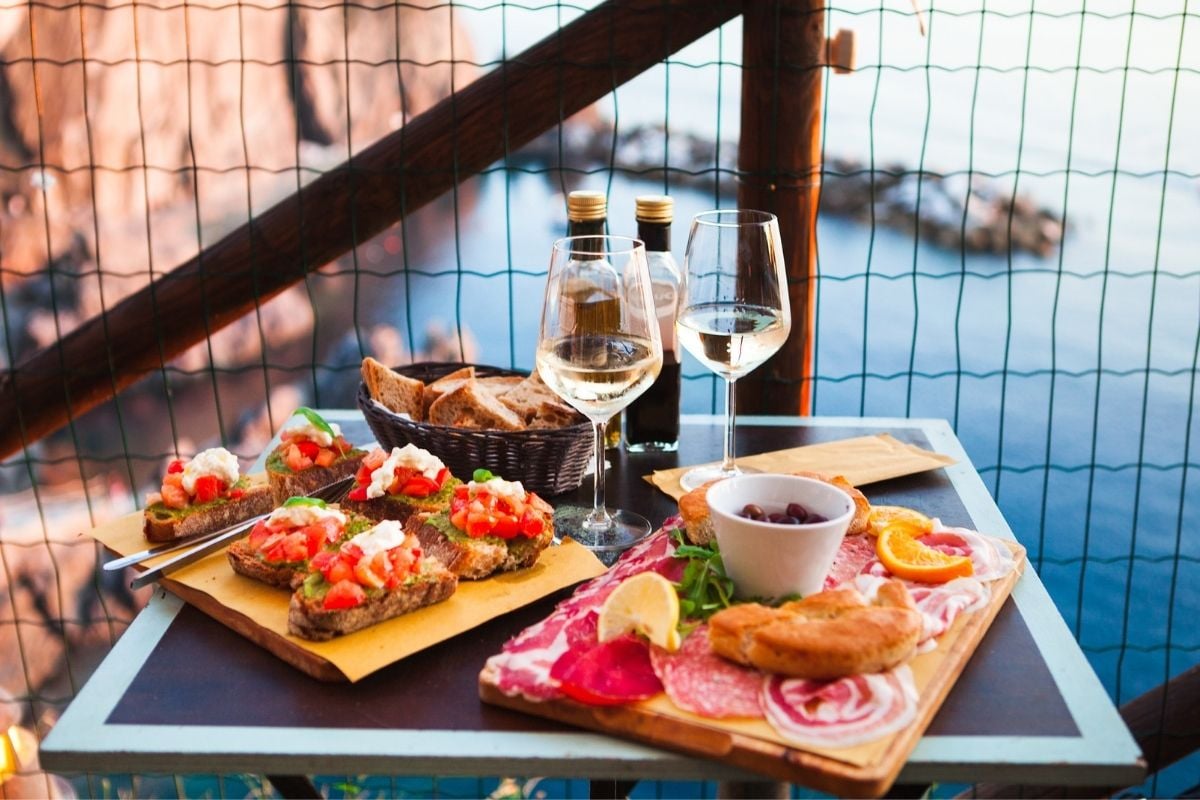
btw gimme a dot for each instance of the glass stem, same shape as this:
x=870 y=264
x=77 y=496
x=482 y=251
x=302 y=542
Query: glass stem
x=599 y=518
x=727 y=464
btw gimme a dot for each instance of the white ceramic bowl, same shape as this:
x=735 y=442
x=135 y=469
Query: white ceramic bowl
x=771 y=560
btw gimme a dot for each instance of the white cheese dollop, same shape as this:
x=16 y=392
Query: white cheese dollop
x=384 y=536
x=298 y=516
x=216 y=461
x=299 y=425
x=512 y=491
x=409 y=456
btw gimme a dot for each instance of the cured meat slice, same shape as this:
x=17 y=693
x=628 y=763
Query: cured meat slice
x=698 y=680
x=990 y=557
x=941 y=605
x=848 y=711
x=853 y=554
x=607 y=673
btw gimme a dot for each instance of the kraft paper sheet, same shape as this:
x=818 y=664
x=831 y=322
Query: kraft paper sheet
x=861 y=460
x=363 y=652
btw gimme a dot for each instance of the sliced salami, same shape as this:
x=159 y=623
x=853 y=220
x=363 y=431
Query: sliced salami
x=840 y=713
x=698 y=680
x=853 y=554
x=990 y=557
x=607 y=673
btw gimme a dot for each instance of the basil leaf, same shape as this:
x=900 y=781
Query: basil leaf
x=316 y=419
x=292 y=502
x=482 y=475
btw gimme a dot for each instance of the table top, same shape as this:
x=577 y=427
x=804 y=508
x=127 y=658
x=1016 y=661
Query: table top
x=179 y=692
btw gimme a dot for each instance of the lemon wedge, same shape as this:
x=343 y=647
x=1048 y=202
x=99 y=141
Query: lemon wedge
x=914 y=523
x=645 y=603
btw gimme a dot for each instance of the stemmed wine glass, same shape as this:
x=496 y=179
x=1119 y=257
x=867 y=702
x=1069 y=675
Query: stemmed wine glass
x=733 y=311
x=599 y=348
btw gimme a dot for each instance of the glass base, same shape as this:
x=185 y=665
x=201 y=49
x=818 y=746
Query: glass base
x=627 y=529
x=698 y=476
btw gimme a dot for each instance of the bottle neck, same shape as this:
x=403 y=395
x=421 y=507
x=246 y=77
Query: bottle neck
x=656 y=235
x=590 y=227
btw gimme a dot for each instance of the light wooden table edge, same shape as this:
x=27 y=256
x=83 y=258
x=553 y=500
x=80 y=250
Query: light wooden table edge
x=1105 y=754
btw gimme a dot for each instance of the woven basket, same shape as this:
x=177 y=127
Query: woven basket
x=548 y=461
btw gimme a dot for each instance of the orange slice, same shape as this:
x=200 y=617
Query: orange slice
x=645 y=603
x=916 y=523
x=907 y=558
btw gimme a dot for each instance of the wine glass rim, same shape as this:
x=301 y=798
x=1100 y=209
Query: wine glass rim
x=628 y=244
x=741 y=217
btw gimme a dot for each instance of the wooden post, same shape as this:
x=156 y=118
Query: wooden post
x=779 y=157
x=458 y=137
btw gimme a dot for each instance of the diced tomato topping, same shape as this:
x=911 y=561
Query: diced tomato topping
x=174 y=496
x=316 y=537
x=259 y=535
x=308 y=449
x=506 y=527
x=374 y=460
x=484 y=514
x=209 y=488
x=236 y=494
x=325 y=458
x=352 y=552
x=175 y=466
x=173 y=479
x=339 y=570
x=322 y=561
x=419 y=486
x=363 y=476
x=359 y=494
x=366 y=575
x=344 y=594
x=290 y=548
x=296 y=460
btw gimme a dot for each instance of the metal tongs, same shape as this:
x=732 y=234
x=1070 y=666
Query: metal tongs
x=211 y=542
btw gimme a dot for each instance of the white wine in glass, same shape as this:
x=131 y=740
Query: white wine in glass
x=598 y=349
x=734 y=312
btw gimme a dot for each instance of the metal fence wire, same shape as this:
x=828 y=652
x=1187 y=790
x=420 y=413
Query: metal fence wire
x=1007 y=239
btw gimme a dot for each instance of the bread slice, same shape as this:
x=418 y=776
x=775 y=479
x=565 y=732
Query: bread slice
x=396 y=392
x=469 y=558
x=499 y=385
x=444 y=384
x=554 y=415
x=285 y=483
x=163 y=524
x=527 y=397
x=697 y=522
x=471 y=406
x=308 y=618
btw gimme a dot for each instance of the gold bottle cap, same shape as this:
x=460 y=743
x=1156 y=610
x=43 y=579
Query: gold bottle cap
x=585 y=206
x=654 y=208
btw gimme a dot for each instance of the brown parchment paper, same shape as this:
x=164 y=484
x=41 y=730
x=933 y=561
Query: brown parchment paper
x=861 y=460
x=363 y=652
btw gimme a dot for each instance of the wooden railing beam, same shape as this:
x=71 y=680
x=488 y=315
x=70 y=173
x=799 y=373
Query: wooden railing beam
x=463 y=134
x=779 y=161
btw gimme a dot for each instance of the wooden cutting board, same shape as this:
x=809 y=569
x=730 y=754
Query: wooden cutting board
x=853 y=772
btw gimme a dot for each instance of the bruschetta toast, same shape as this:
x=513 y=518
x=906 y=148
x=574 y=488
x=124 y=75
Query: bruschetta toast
x=203 y=494
x=401 y=483
x=312 y=453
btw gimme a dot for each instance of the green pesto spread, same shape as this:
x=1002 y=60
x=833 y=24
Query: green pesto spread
x=165 y=513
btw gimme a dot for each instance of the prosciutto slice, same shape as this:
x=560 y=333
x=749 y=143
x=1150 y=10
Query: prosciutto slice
x=990 y=557
x=840 y=713
x=698 y=680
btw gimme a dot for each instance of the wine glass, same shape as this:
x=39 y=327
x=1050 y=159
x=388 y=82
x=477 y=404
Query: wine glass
x=733 y=311
x=599 y=348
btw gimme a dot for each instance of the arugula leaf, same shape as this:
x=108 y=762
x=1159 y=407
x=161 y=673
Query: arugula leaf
x=315 y=419
x=704 y=588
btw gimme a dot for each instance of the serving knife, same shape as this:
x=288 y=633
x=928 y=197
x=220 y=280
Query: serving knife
x=212 y=542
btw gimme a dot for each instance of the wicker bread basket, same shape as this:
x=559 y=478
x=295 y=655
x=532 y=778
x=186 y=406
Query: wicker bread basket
x=548 y=461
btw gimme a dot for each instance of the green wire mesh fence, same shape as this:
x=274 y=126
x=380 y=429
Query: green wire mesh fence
x=1007 y=239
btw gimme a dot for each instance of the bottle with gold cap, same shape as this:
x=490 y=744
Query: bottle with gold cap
x=594 y=304
x=652 y=420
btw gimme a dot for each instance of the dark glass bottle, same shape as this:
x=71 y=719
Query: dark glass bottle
x=595 y=308
x=652 y=420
